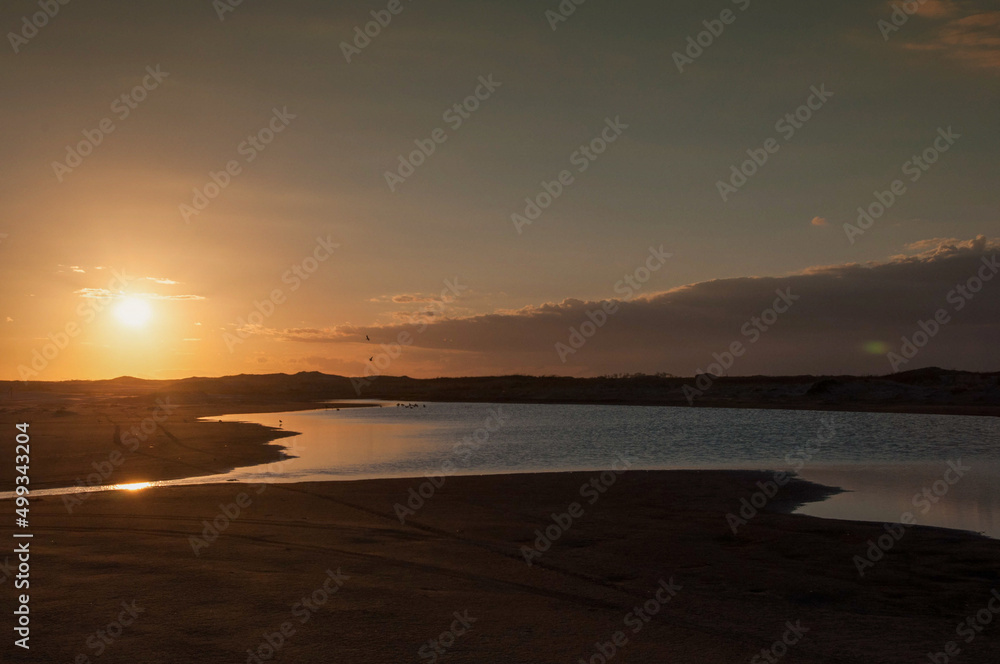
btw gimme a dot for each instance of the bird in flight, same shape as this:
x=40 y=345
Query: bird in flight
x=366 y=338
x=371 y=358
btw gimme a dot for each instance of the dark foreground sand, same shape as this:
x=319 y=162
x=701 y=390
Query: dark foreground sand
x=402 y=584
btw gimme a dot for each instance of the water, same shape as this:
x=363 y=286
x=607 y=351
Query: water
x=882 y=459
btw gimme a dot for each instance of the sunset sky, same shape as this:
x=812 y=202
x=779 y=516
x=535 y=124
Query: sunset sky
x=101 y=242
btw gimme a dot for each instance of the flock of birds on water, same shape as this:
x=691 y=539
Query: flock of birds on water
x=398 y=405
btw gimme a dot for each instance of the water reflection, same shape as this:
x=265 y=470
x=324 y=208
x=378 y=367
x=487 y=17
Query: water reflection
x=882 y=492
x=328 y=441
x=882 y=459
x=135 y=486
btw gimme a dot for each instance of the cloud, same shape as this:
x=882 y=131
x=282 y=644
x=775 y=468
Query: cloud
x=411 y=316
x=818 y=221
x=96 y=293
x=973 y=38
x=166 y=282
x=935 y=8
x=104 y=294
x=405 y=298
x=934 y=243
x=157 y=296
x=9 y=319
x=839 y=312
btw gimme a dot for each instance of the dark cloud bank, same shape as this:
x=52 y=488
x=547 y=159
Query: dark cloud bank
x=841 y=319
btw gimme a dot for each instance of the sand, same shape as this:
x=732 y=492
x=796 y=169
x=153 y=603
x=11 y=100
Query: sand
x=456 y=573
x=461 y=552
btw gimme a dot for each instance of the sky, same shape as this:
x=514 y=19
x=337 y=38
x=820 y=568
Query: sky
x=491 y=187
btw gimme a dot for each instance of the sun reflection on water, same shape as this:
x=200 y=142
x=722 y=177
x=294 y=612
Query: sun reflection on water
x=136 y=486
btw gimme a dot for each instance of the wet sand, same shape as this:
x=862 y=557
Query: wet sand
x=461 y=553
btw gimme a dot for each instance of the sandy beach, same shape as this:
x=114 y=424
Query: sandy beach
x=635 y=566
x=664 y=332
x=398 y=586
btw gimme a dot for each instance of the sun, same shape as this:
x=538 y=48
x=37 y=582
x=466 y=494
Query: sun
x=133 y=312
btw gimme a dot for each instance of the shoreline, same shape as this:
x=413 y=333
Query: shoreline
x=463 y=549
x=902 y=409
x=217 y=566
x=184 y=442
x=154 y=440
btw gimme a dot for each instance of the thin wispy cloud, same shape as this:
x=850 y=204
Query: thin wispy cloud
x=105 y=293
x=405 y=298
x=962 y=32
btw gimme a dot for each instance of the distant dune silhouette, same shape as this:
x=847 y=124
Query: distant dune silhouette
x=929 y=390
